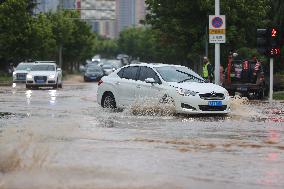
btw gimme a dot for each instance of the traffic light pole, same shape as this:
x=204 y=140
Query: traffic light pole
x=271 y=81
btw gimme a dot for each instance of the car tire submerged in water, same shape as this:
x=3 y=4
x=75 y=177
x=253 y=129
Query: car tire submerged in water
x=28 y=87
x=108 y=101
x=60 y=85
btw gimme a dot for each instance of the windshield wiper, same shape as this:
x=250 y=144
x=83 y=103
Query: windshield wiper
x=191 y=77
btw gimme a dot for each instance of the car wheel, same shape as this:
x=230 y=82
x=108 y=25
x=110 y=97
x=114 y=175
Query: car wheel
x=55 y=86
x=108 y=101
x=28 y=87
x=260 y=94
x=60 y=85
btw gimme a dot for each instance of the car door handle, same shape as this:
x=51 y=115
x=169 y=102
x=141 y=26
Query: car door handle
x=117 y=83
x=138 y=86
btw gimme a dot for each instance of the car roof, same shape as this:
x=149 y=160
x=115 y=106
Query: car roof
x=46 y=64
x=45 y=61
x=25 y=63
x=154 y=65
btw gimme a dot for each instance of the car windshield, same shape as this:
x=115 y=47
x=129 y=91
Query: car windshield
x=107 y=66
x=43 y=67
x=178 y=74
x=92 y=69
x=23 y=66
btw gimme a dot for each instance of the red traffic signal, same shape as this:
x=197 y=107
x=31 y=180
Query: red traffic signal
x=268 y=41
x=274 y=32
x=274 y=51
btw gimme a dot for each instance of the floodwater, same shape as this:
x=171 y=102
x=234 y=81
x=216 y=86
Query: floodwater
x=62 y=139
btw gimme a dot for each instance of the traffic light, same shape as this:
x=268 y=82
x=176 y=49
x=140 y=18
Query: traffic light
x=268 y=42
x=262 y=40
x=274 y=45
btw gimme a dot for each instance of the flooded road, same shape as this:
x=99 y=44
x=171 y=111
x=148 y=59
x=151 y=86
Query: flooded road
x=63 y=139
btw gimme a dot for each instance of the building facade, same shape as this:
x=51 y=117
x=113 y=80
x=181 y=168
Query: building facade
x=129 y=13
x=46 y=6
x=107 y=17
x=100 y=14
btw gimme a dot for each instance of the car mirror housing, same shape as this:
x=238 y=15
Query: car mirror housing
x=58 y=69
x=28 y=69
x=150 y=80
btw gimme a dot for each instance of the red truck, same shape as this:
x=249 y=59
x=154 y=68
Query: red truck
x=241 y=77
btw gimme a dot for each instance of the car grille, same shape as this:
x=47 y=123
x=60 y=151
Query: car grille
x=21 y=76
x=212 y=96
x=40 y=78
x=212 y=108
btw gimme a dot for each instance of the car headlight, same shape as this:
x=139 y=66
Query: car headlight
x=52 y=76
x=14 y=73
x=29 y=76
x=185 y=92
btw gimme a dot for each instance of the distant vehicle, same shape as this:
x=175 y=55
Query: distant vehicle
x=96 y=58
x=163 y=84
x=108 y=69
x=239 y=78
x=123 y=58
x=115 y=63
x=44 y=75
x=21 y=71
x=120 y=56
x=93 y=73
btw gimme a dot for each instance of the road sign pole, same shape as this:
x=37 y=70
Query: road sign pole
x=217 y=48
x=271 y=81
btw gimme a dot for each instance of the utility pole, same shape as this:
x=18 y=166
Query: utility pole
x=271 y=80
x=60 y=7
x=217 y=48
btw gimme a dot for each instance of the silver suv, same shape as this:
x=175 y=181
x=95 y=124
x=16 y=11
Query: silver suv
x=44 y=75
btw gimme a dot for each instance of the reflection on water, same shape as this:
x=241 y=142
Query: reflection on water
x=53 y=95
x=28 y=96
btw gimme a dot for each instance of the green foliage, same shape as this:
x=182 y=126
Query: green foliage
x=24 y=36
x=16 y=30
x=183 y=24
x=278 y=95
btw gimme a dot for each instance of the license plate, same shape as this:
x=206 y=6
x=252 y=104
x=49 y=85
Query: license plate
x=93 y=78
x=40 y=81
x=215 y=103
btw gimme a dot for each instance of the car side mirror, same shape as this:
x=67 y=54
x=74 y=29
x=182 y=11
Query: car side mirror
x=58 y=69
x=150 y=80
x=28 y=69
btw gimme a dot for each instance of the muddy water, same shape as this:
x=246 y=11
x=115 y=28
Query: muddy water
x=63 y=139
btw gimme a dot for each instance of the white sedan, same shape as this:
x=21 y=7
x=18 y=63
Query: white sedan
x=161 y=82
x=44 y=75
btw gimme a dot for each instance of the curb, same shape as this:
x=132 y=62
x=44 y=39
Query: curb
x=6 y=83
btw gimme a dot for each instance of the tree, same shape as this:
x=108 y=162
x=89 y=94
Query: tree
x=79 y=47
x=15 y=31
x=183 y=24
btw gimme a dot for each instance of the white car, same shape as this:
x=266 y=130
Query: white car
x=44 y=75
x=21 y=71
x=161 y=82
